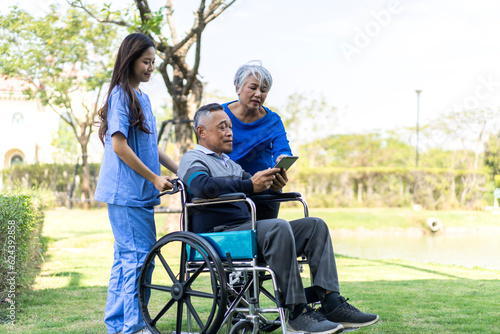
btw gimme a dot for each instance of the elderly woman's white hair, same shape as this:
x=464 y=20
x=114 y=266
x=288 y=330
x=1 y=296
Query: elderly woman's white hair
x=256 y=69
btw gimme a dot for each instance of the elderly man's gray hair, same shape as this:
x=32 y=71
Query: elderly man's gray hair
x=203 y=112
x=256 y=69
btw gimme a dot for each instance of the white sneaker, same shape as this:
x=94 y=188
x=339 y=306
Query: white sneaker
x=145 y=330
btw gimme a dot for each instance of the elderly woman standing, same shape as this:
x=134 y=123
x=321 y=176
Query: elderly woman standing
x=259 y=135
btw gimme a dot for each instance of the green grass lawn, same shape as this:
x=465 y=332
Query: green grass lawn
x=70 y=292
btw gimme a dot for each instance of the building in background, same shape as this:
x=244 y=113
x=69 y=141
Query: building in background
x=28 y=129
x=27 y=126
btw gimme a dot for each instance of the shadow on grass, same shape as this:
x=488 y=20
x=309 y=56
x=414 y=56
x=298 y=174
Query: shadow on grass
x=443 y=303
x=429 y=305
x=400 y=265
x=406 y=306
x=74 y=277
x=72 y=309
x=447 y=304
x=76 y=234
x=69 y=309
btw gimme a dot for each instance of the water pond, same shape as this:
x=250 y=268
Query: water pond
x=464 y=247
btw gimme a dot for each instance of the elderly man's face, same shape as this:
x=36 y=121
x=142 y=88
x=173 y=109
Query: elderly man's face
x=217 y=133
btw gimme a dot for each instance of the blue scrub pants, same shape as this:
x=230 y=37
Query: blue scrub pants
x=135 y=234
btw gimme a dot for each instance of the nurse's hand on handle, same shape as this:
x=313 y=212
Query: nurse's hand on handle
x=162 y=183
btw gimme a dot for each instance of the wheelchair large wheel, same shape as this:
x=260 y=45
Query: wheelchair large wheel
x=185 y=292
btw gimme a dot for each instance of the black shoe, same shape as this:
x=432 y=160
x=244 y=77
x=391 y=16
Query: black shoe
x=349 y=316
x=310 y=321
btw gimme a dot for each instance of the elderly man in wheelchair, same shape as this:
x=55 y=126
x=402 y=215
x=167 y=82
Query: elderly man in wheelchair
x=211 y=178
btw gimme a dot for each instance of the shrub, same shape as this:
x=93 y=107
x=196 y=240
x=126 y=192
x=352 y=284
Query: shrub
x=55 y=180
x=497 y=181
x=390 y=187
x=21 y=222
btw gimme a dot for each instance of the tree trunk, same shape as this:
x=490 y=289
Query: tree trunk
x=85 y=177
x=360 y=193
x=185 y=105
x=183 y=134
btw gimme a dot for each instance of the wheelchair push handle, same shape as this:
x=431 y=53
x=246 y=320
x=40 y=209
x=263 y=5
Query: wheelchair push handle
x=175 y=188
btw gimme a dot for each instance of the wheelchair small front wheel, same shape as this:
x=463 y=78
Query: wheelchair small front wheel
x=242 y=327
x=185 y=292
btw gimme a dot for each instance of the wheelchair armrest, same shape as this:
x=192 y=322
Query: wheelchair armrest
x=221 y=198
x=278 y=197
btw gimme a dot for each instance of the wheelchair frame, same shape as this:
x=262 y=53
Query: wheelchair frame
x=238 y=277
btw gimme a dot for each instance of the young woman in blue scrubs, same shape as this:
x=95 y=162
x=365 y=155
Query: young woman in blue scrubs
x=129 y=179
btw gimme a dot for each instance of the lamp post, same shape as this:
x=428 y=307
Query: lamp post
x=418 y=91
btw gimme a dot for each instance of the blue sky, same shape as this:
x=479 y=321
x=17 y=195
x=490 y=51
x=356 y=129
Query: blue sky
x=449 y=49
x=366 y=57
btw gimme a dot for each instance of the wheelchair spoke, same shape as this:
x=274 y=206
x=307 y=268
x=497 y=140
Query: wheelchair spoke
x=167 y=267
x=163 y=310
x=200 y=294
x=195 y=275
x=183 y=260
x=178 y=326
x=195 y=315
x=158 y=287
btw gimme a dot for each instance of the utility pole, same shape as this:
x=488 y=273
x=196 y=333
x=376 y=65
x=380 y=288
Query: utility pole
x=418 y=91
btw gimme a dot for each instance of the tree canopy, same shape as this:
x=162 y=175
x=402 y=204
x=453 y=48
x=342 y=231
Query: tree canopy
x=179 y=74
x=67 y=59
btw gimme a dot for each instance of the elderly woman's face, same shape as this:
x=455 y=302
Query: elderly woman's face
x=252 y=96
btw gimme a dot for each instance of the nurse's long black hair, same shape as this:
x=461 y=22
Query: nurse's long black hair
x=132 y=47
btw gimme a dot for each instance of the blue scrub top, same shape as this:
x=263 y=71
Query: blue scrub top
x=118 y=183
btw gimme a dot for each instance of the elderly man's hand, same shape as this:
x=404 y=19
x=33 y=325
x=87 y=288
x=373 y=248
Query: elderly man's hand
x=280 y=180
x=263 y=180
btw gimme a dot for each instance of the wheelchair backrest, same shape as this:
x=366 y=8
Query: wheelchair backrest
x=241 y=245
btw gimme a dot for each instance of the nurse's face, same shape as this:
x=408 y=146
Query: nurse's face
x=216 y=133
x=143 y=68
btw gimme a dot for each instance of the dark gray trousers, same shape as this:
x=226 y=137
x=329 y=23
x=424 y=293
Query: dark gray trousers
x=281 y=242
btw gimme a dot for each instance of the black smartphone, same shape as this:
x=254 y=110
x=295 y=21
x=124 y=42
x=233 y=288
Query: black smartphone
x=286 y=162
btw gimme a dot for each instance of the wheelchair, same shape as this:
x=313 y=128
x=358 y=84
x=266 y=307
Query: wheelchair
x=211 y=282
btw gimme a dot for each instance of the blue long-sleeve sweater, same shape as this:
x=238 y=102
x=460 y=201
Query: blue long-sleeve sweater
x=256 y=145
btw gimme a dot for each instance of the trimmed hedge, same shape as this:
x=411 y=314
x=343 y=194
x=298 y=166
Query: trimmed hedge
x=432 y=188
x=21 y=222
x=55 y=179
